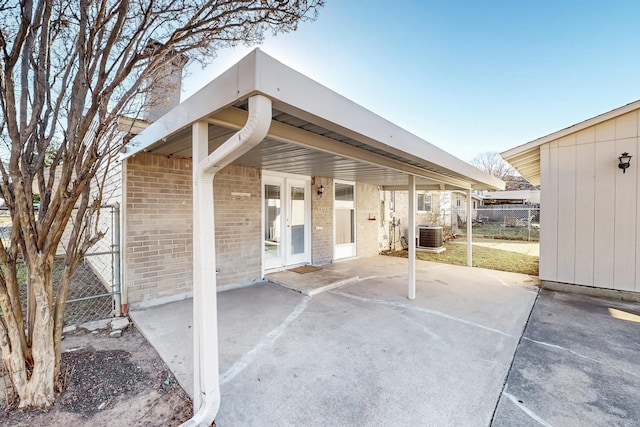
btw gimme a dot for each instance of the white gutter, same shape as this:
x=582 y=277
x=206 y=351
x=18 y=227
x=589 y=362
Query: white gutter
x=206 y=396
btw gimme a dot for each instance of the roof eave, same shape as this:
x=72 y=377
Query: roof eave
x=531 y=149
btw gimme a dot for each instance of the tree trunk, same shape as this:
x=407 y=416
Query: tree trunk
x=33 y=383
x=40 y=388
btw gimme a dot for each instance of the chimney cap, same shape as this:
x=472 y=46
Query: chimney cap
x=174 y=57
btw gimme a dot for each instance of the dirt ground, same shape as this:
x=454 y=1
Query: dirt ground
x=110 y=381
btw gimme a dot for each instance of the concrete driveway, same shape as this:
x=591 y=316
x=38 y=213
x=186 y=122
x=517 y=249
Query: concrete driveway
x=469 y=351
x=578 y=364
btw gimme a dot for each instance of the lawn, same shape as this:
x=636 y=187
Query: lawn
x=494 y=259
x=498 y=230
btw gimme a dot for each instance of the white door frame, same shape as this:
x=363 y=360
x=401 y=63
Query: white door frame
x=286 y=258
x=347 y=250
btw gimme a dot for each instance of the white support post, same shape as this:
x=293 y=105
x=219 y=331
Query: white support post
x=469 y=229
x=206 y=380
x=412 y=237
x=204 y=273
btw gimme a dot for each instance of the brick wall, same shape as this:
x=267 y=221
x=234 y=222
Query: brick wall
x=322 y=222
x=238 y=224
x=157 y=263
x=367 y=208
x=158 y=227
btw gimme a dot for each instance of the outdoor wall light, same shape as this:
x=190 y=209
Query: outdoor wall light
x=625 y=161
x=320 y=191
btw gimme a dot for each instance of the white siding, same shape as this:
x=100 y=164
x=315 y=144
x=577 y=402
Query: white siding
x=549 y=214
x=624 y=270
x=566 y=212
x=589 y=220
x=604 y=215
x=585 y=205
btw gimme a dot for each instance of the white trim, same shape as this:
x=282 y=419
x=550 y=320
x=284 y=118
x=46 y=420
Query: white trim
x=285 y=175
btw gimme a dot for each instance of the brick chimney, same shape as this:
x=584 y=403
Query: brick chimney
x=164 y=87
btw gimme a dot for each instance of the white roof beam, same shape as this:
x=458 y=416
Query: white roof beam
x=234 y=119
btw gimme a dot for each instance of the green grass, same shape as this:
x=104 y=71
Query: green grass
x=497 y=230
x=494 y=259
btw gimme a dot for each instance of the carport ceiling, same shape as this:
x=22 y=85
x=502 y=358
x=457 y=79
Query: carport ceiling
x=288 y=157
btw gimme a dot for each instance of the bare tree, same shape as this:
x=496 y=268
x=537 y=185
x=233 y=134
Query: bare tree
x=68 y=69
x=493 y=164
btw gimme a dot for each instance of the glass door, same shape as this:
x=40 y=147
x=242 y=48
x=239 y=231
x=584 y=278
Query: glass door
x=297 y=224
x=287 y=215
x=273 y=223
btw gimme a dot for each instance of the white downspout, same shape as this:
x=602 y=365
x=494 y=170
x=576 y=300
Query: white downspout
x=206 y=397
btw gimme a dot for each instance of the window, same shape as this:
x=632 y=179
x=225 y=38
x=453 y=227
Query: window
x=344 y=192
x=344 y=220
x=424 y=202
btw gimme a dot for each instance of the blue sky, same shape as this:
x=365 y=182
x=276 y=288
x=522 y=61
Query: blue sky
x=467 y=76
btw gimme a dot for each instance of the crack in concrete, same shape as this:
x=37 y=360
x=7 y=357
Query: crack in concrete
x=559 y=347
x=525 y=409
x=269 y=339
x=421 y=309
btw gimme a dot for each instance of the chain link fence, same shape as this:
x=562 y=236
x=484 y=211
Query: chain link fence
x=512 y=222
x=94 y=292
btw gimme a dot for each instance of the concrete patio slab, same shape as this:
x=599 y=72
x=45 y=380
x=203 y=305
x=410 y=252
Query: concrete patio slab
x=365 y=355
x=312 y=283
x=168 y=328
x=362 y=354
x=577 y=365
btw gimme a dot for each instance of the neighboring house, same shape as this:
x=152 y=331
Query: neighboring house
x=454 y=208
x=516 y=197
x=433 y=207
x=589 y=231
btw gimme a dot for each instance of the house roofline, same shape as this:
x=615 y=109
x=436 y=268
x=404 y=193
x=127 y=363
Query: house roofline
x=572 y=129
x=525 y=158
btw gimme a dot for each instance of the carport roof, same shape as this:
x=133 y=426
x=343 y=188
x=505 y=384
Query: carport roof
x=314 y=131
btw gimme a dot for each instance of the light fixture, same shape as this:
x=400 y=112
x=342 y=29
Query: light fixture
x=625 y=161
x=320 y=190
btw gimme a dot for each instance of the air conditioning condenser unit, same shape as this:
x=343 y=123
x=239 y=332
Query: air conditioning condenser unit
x=430 y=239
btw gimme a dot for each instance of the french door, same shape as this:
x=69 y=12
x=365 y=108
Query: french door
x=287 y=219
